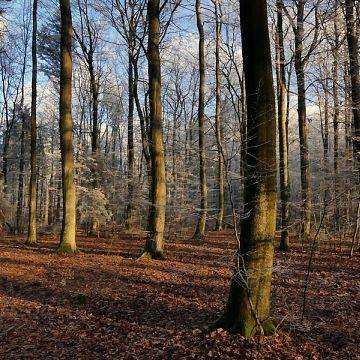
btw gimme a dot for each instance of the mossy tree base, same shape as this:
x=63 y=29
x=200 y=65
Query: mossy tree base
x=66 y=249
x=244 y=328
x=157 y=255
x=30 y=241
x=199 y=236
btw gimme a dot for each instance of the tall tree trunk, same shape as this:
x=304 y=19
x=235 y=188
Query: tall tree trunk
x=282 y=128
x=218 y=123
x=130 y=143
x=67 y=241
x=348 y=112
x=94 y=132
x=31 y=239
x=23 y=115
x=154 y=246
x=201 y=224
x=303 y=131
x=353 y=46
x=20 y=195
x=248 y=306
x=325 y=136
x=336 y=118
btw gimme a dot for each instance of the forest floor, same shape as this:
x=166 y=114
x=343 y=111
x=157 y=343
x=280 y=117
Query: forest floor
x=103 y=304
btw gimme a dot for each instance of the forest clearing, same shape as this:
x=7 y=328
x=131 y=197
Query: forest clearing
x=106 y=304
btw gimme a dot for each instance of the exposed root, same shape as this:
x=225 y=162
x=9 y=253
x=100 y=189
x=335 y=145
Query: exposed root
x=157 y=255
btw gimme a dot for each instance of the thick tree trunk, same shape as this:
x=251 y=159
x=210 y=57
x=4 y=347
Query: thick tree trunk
x=248 y=306
x=218 y=124
x=67 y=241
x=303 y=131
x=31 y=239
x=154 y=246
x=282 y=128
x=353 y=46
x=201 y=224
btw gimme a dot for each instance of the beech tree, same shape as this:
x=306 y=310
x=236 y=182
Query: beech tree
x=33 y=178
x=154 y=246
x=201 y=223
x=67 y=240
x=218 y=120
x=282 y=127
x=353 y=45
x=248 y=305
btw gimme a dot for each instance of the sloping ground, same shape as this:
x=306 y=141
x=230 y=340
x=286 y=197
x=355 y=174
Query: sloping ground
x=102 y=304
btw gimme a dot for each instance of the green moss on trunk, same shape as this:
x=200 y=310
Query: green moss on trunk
x=156 y=255
x=66 y=249
x=31 y=241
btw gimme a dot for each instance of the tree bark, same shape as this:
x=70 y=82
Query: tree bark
x=353 y=46
x=282 y=129
x=31 y=239
x=303 y=131
x=154 y=246
x=67 y=241
x=20 y=195
x=95 y=129
x=130 y=143
x=336 y=118
x=201 y=224
x=23 y=115
x=248 y=306
x=325 y=137
x=218 y=123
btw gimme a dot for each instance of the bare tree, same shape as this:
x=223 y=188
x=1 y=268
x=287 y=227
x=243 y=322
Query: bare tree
x=33 y=180
x=201 y=224
x=353 y=45
x=154 y=246
x=282 y=127
x=248 y=304
x=68 y=231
